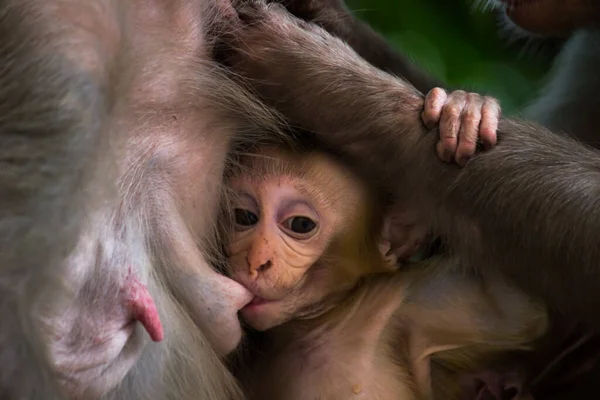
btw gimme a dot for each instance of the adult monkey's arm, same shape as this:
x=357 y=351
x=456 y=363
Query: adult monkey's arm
x=530 y=207
x=335 y=17
x=338 y=20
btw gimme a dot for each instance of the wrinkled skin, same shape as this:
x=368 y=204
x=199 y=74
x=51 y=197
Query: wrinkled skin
x=116 y=123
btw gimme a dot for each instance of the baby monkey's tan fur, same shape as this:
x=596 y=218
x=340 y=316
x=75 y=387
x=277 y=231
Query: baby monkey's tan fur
x=374 y=333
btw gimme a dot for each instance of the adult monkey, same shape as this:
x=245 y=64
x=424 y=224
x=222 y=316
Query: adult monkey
x=529 y=207
x=114 y=128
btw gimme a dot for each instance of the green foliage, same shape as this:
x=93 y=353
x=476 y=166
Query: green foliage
x=459 y=44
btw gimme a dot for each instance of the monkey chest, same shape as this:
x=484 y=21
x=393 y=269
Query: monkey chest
x=338 y=374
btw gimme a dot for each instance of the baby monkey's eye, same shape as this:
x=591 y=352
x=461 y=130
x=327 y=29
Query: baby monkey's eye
x=245 y=218
x=300 y=227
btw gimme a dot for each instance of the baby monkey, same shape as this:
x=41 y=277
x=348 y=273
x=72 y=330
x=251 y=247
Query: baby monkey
x=339 y=319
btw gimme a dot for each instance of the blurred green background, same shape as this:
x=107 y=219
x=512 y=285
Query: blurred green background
x=462 y=45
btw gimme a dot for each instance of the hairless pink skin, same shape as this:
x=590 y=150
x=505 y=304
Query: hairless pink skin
x=142 y=307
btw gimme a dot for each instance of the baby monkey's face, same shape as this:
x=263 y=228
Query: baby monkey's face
x=280 y=231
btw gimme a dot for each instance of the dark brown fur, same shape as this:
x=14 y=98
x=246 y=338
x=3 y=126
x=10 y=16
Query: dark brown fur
x=568 y=104
x=336 y=18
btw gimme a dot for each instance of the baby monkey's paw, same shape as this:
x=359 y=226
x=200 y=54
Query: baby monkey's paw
x=464 y=119
x=402 y=236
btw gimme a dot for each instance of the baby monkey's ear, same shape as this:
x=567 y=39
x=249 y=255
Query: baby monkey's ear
x=402 y=235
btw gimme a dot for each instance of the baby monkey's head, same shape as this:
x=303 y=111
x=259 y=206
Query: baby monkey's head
x=304 y=230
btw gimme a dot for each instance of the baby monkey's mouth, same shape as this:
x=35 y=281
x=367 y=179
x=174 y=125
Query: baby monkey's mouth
x=257 y=301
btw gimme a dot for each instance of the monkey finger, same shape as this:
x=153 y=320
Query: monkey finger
x=441 y=152
x=392 y=260
x=490 y=115
x=450 y=123
x=252 y=12
x=469 y=129
x=227 y=8
x=432 y=111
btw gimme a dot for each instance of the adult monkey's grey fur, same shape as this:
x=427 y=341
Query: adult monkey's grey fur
x=114 y=129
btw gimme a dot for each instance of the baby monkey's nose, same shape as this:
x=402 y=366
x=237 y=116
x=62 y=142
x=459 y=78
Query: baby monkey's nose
x=256 y=267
